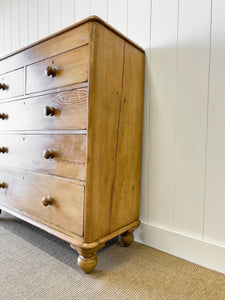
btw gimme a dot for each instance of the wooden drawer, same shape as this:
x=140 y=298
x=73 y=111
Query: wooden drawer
x=27 y=152
x=35 y=113
x=24 y=193
x=13 y=84
x=71 y=67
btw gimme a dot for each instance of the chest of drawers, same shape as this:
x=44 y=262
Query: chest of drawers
x=71 y=110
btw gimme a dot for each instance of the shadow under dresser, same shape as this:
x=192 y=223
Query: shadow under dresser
x=71 y=109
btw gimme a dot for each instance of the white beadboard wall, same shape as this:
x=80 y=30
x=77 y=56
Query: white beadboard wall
x=183 y=173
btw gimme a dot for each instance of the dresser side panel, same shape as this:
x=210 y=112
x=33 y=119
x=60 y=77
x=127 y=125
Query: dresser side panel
x=126 y=189
x=105 y=91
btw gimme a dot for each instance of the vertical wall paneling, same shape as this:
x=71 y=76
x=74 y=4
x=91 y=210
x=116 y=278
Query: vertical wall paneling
x=163 y=74
x=139 y=22
x=43 y=24
x=82 y=9
x=191 y=115
x=54 y=15
x=67 y=12
x=99 y=8
x=2 y=16
x=215 y=176
x=23 y=23
x=8 y=26
x=138 y=29
x=33 y=20
x=15 y=25
x=117 y=14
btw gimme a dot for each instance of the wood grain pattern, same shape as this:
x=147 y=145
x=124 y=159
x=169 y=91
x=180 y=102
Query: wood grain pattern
x=105 y=90
x=66 y=212
x=71 y=67
x=70 y=39
x=14 y=82
x=81 y=134
x=29 y=114
x=26 y=152
x=127 y=178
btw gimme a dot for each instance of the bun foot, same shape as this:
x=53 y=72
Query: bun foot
x=126 y=238
x=87 y=264
x=87 y=259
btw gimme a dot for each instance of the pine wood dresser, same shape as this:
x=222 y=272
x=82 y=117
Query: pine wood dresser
x=71 y=109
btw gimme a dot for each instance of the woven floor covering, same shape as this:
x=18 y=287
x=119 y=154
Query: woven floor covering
x=36 y=265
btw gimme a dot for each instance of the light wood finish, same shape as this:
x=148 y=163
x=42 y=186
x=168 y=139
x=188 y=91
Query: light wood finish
x=69 y=67
x=28 y=152
x=69 y=39
x=11 y=84
x=87 y=259
x=125 y=207
x=65 y=213
x=72 y=143
x=126 y=238
x=105 y=84
x=70 y=112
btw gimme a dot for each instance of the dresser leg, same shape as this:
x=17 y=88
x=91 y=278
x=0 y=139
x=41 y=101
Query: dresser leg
x=87 y=259
x=125 y=239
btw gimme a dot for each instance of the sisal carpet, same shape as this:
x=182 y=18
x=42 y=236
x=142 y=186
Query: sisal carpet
x=36 y=265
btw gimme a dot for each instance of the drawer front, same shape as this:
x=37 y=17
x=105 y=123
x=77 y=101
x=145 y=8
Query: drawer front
x=65 y=110
x=61 y=155
x=63 y=69
x=11 y=84
x=24 y=193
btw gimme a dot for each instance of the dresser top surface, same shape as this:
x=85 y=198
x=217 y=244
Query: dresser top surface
x=82 y=22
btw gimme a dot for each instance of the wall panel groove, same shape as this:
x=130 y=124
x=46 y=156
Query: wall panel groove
x=191 y=115
x=163 y=72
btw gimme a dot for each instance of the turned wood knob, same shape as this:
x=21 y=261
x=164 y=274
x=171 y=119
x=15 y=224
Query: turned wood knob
x=49 y=153
x=3 y=185
x=47 y=201
x=50 y=71
x=3 y=86
x=3 y=116
x=3 y=150
x=49 y=111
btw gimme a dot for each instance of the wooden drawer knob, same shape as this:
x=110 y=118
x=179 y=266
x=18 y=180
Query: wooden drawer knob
x=47 y=201
x=3 y=185
x=50 y=71
x=49 y=111
x=49 y=153
x=3 y=116
x=3 y=86
x=3 y=150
